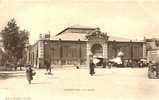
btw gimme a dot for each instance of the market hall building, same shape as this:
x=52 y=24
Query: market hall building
x=75 y=44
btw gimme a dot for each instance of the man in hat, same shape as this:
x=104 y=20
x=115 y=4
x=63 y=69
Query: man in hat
x=91 y=67
x=104 y=63
x=48 y=66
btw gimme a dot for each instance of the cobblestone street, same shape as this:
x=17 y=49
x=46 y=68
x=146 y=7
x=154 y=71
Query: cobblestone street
x=70 y=83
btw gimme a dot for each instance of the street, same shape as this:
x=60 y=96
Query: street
x=71 y=83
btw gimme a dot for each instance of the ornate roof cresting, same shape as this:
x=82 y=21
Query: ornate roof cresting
x=97 y=34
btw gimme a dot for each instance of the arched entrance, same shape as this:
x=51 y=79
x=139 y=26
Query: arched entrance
x=97 y=51
x=97 y=46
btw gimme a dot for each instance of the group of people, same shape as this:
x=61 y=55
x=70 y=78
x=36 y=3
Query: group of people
x=153 y=70
x=30 y=72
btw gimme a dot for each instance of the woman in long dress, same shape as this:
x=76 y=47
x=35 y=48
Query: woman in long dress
x=29 y=74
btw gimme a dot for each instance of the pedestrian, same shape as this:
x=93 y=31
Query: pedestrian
x=151 y=70
x=77 y=66
x=29 y=74
x=20 y=64
x=104 y=63
x=130 y=63
x=48 y=66
x=157 y=69
x=91 y=67
x=141 y=64
x=109 y=64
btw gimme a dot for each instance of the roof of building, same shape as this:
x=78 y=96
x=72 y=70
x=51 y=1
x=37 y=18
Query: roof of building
x=77 y=27
x=82 y=26
x=115 y=38
x=70 y=36
x=82 y=37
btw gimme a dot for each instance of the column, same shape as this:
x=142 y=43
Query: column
x=28 y=56
x=144 y=50
x=79 y=61
x=60 y=47
x=105 y=50
x=88 y=53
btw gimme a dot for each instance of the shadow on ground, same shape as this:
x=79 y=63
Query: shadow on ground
x=6 y=75
x=41 y=82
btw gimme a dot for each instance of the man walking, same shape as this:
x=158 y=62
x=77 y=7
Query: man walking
x=48 y=66
x=104 y=63
x=91 y=67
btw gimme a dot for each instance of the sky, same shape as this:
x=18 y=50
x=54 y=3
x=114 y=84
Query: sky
x=131 y=19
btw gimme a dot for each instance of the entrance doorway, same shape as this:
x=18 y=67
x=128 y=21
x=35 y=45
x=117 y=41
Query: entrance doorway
x=97 y=51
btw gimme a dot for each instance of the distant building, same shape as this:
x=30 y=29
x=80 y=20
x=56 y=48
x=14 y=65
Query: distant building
x=152 y=49
x=152 y=43
x=74 y=45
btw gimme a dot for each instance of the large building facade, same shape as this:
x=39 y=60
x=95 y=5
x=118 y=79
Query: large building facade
x=75 y=44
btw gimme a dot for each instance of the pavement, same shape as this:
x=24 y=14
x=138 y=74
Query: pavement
x=77 y=84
